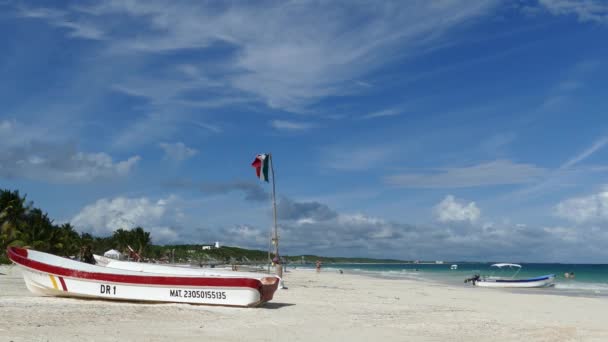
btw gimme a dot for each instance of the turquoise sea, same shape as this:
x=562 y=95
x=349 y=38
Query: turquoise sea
x=590 y=279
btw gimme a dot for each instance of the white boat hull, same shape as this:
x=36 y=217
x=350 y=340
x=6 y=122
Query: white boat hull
x=172 y=269
x=543 y=281
x=50 y=275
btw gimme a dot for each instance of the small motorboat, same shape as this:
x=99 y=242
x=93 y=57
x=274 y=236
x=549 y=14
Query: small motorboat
x=510 y=281
x=48 y=274
x=454 y=267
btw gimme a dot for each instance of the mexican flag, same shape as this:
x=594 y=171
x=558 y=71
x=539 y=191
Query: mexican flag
x=262 y=165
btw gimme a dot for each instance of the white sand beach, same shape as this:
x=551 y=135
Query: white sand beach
x=324 y=306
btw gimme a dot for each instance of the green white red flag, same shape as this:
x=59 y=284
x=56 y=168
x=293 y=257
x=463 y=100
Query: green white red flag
x=261 y=163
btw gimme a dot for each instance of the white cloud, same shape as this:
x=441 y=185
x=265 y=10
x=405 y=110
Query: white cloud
x=106 y=215
x=585 y=10
x=347 y=234
x=26 y=156
x=89 y=166
x=452 y=210
x=291 y=125
x=245 y=235
x=586 y=209
x=177 y=151
x=498 y=172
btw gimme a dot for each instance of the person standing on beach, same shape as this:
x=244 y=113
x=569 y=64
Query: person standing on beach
x=318 y=265
x=87 y=255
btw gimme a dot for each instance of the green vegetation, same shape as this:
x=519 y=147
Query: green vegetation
x=341 y=260
x=225 y=254
x=25 y=226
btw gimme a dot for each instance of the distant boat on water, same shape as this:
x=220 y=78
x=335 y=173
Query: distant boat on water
x=510 y=281
x=454 y=267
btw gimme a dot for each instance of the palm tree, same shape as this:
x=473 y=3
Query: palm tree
x=13 y=210
x=122 y=239
x=141 y=239
x=39 y=232
x=64 y=240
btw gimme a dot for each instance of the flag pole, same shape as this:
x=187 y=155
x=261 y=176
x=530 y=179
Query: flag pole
x=275 y=237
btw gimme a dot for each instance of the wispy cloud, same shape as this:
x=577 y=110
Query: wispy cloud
x=58 y=18
x=328 y=58
x=177 y=151
x=497 y=143
x=291 y=125
x=498 y=172
x=382 y=113
x=565 y=174
x=355 y=158
x=252 y=191
x=286 y=56
x=597 y=145
x=569 y=85
x=587 y=10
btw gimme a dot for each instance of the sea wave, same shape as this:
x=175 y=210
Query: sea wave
x=392 y=274
x=598 y=288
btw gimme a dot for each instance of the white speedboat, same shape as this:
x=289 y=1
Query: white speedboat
x=511 y=281
x=47 y=274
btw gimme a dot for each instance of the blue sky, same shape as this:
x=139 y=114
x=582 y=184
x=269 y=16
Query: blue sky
x=469 y=130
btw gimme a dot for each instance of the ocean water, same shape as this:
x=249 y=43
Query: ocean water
x=590 y=279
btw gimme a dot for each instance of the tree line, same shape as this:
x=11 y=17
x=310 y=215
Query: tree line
x=23 y=225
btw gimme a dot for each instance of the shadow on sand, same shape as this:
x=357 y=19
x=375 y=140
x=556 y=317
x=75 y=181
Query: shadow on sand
x=276 y=305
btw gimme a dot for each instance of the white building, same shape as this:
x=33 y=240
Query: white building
x=208 y=247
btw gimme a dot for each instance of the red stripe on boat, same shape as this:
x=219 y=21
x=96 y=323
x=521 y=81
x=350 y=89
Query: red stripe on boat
x=65 y=288
x=19 y=251
x=19 y=256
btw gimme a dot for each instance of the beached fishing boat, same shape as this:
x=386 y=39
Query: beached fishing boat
x=510 y=281
x=171 y=268
x=47 y=274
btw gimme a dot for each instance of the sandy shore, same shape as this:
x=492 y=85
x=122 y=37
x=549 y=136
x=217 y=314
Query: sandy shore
x=317 y=307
